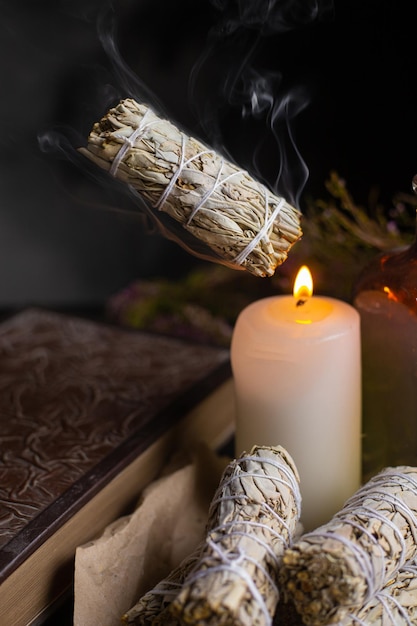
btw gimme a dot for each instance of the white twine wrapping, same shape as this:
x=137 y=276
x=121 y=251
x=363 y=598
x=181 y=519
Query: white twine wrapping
x=292 y=483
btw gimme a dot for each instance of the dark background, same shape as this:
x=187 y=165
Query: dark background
x=66 y=239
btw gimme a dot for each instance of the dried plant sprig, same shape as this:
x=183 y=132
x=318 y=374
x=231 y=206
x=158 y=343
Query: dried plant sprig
x=337 y=568
x=253 y=517
x=236 y=219
x=342 y=220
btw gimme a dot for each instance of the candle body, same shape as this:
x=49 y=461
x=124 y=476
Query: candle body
x=389 y=365
x=297 y=377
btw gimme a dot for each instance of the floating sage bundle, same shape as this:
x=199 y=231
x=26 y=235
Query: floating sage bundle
x=338 y=568
x=225 y=215
x=253 y=518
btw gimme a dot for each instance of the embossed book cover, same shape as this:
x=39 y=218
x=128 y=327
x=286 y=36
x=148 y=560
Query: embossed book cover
x=88 y=415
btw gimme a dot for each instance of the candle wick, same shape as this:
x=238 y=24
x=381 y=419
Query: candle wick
x=301 y=301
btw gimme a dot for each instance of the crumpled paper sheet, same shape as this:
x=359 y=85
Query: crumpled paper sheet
x=137 y=551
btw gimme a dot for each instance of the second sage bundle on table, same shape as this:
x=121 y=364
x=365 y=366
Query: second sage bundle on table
x=232 y=579
x=253 y=518
x=337 y=569
x=223 y=213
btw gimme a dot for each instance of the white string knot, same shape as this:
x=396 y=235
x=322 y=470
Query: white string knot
x=268 y=223
x=233 y=559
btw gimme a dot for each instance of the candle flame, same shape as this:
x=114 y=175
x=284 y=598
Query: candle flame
x=391 y=295
x=303 y=284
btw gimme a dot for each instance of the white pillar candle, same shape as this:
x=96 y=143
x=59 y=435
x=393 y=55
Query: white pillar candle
x=297 y=374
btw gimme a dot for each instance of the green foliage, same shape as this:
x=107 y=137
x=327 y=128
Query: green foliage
x=341 y=237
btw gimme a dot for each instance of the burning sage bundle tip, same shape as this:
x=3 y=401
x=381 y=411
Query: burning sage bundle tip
x=340 y=567
x=253 y=518
x=224 y=214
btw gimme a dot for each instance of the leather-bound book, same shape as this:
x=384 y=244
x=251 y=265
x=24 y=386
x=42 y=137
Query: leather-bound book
x=89 y=415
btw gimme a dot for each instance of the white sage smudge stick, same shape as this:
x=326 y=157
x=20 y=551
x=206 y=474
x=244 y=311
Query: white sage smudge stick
x=152 y=607
x=394 y=605
x=253 y=518
x=225 y=215
x=336 y=569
